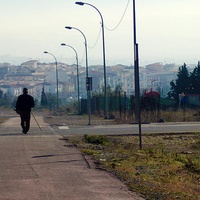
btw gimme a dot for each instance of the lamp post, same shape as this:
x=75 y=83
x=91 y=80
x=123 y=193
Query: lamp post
x=86 y=55
x=136 y=75
x=56 y=78
x=86 y=59
x=63 y=44
x=104 y=57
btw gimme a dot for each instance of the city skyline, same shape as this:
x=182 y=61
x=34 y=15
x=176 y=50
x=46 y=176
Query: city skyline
x=167 y=31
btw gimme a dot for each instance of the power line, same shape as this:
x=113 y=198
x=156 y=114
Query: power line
x=83 y=55
x=91 y=47
x=120 y=19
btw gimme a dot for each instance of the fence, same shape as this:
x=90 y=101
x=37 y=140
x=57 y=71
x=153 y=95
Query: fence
x=118 y=105
x=123 y=107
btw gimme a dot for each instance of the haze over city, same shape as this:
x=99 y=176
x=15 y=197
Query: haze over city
x=167 y=31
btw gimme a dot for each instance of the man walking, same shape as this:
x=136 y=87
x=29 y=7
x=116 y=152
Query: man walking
x=23 y=107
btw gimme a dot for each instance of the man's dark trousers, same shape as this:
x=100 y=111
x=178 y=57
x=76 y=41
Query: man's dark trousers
x=25 y=120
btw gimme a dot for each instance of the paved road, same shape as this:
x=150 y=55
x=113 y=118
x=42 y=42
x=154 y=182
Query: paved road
x=41 y=166
x=173 y=127
x=130 y=128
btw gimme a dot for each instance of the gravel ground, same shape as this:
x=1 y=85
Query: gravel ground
x=73 y=120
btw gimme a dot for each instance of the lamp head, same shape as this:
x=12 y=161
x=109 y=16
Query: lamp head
x=63 y=44
x=68 y=27
x=45 y=51
x=79 y=3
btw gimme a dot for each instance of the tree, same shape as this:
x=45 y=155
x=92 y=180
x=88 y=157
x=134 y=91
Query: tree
x=195 y=80
x=1 y=94
x=181 y=84
x=51 y=97
x=44 y=101
x=6 y=100
x=118 y=89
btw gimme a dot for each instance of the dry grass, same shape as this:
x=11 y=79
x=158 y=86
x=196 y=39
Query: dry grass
x=180 y=115
x=63 y=118
x=168 y=167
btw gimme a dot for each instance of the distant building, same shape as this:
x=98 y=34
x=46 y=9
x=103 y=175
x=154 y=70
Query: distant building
x=31 y=64
x=3 y=72
x=39 y=76
x=37 y=89
x=154 y=67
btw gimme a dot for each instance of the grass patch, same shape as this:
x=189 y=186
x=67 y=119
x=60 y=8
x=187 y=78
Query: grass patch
x=96 y=139
x=168 y=166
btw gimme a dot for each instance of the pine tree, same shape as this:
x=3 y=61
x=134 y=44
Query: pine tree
x=195 y=80
x=181 y=84
x=44 y=101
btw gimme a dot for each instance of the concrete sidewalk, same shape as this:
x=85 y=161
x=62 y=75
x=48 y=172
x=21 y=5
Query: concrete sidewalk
x=41 y=167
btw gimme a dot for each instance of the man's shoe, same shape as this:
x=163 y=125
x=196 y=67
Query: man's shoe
x=24 y=132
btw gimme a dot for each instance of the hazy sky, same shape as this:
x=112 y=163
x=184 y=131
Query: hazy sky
x=168 y=31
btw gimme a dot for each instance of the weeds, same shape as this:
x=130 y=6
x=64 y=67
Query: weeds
x=93 y=139
x=168 y=166
x=193 y=164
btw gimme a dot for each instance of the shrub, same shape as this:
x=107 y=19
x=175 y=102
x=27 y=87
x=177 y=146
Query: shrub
x=96 y=139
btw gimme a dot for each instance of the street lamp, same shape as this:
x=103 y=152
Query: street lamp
x=86 y=54
x=87 y=77
x=104 y=57
x=136 y=75
x=56 y=77
x=63 y=44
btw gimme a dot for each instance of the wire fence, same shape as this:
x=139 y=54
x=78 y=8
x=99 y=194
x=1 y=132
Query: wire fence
x=123 y=107
x=118 y=105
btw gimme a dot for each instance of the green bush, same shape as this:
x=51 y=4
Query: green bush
x=96 y=139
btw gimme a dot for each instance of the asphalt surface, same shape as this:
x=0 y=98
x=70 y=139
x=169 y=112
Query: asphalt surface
x=42 y=166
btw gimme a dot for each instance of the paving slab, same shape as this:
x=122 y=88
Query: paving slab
x=43 y=166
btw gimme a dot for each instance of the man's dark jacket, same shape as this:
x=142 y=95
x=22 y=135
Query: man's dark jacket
x=24 y=103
